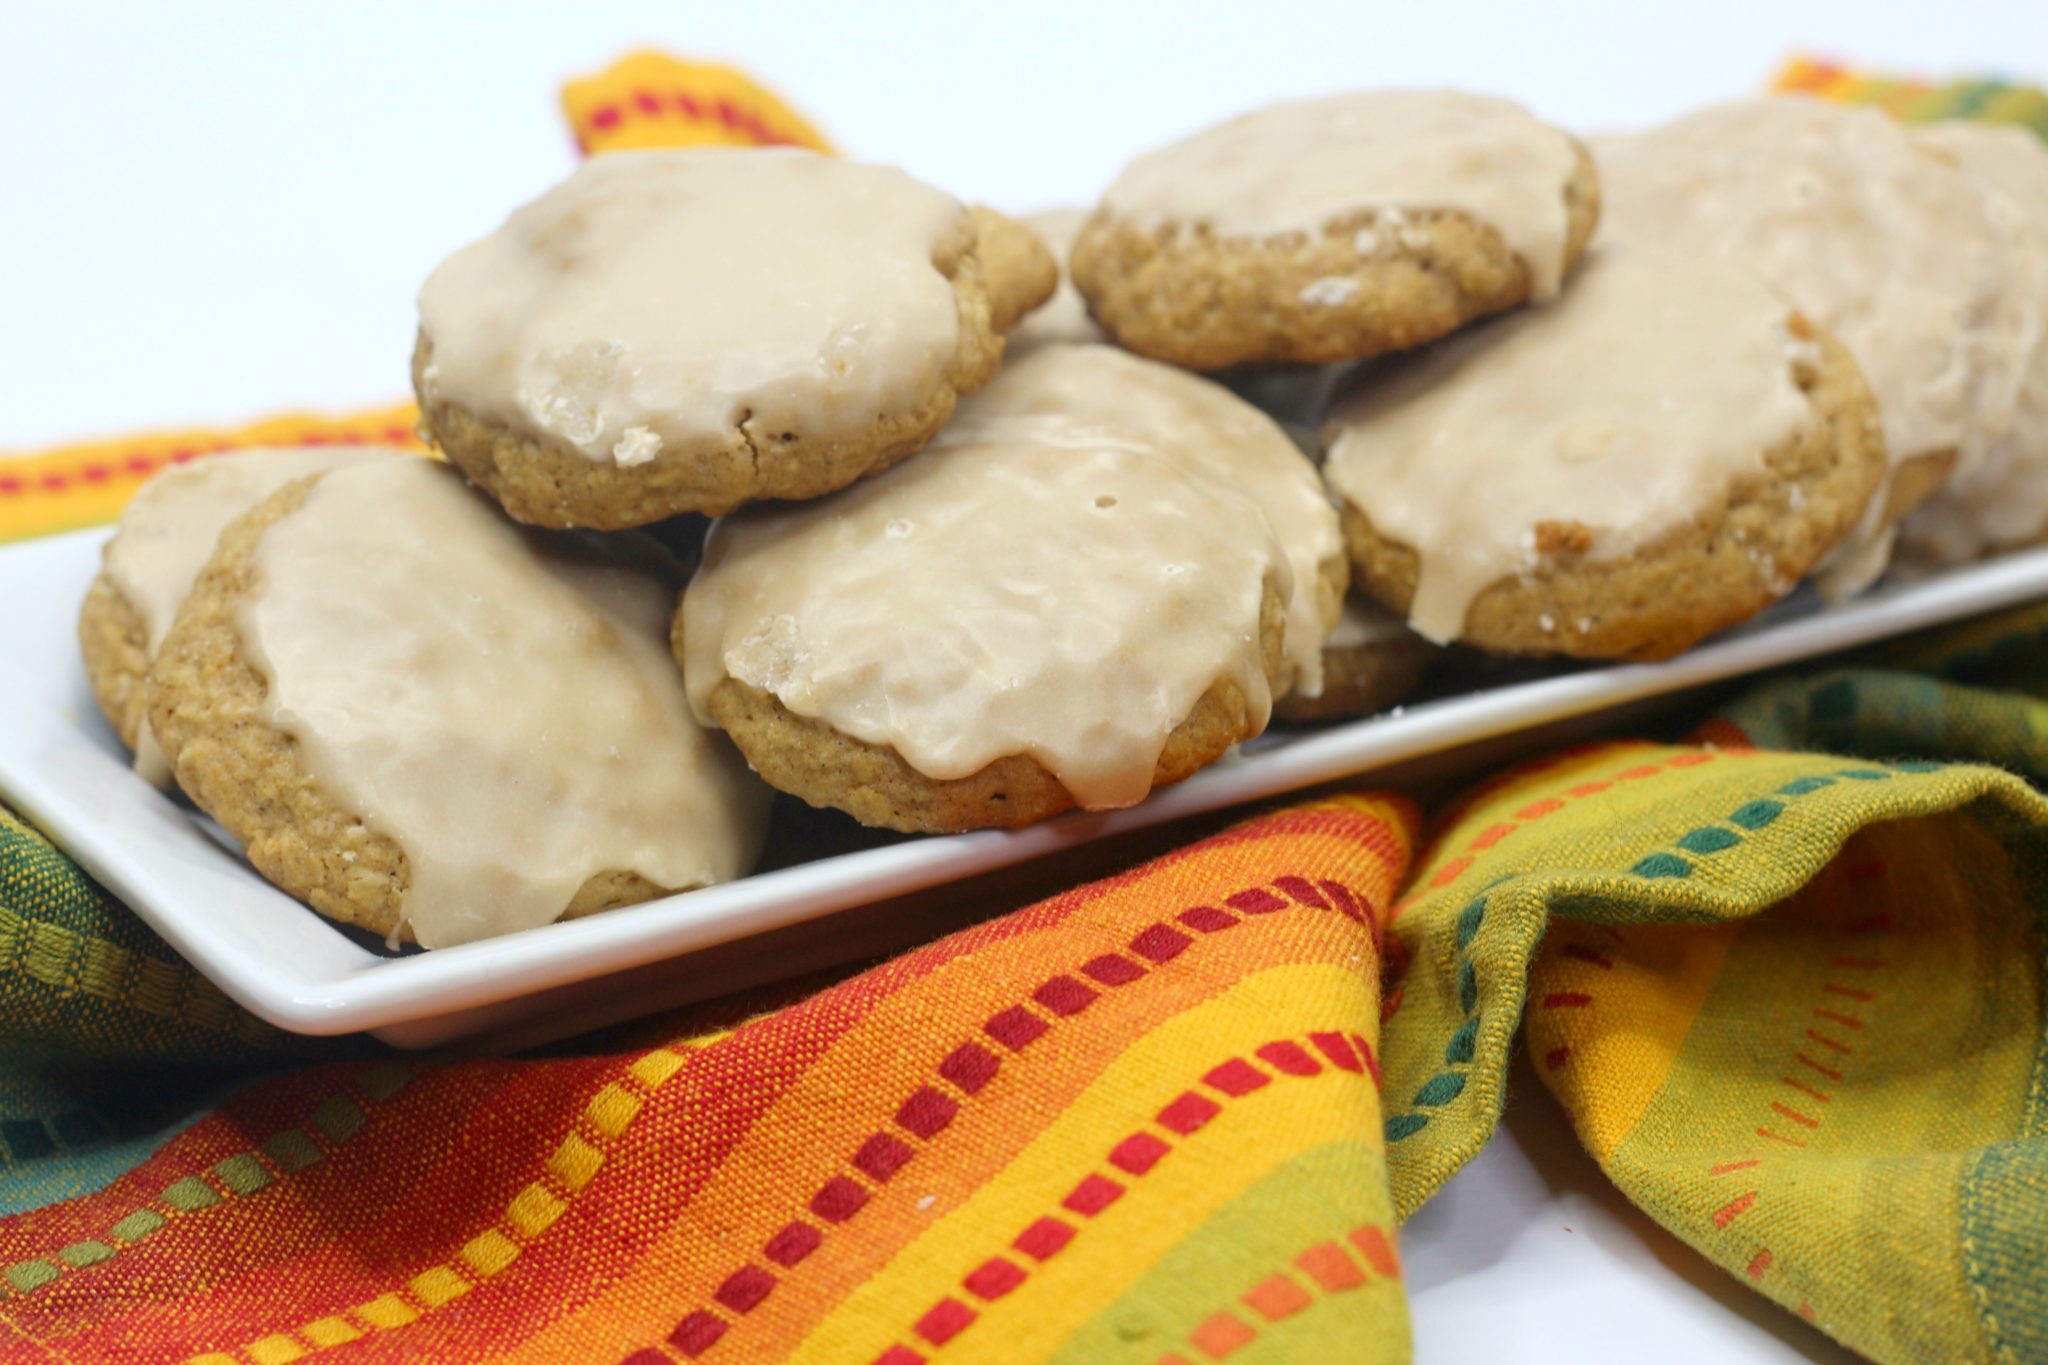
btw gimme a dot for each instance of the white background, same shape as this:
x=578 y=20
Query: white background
x=216 y=210
x=213 y=211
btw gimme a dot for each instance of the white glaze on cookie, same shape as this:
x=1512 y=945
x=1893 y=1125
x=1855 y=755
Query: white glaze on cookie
x=1063 y=586
x=1630 y=406
x=169 y=527
x=1201 y=422
x=2000 y=499
x=657 y=300
x=498 y=701
x=1297 y=167
x=1882 y=243
x=1064 y=316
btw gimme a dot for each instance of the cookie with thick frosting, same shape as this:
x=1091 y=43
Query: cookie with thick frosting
x=1337 y=228
x=685 y=331
x=1877 y=240
x=1063 y=602
x=1200 y=423
x=1998 y=499
x=166 y=535
x=1661 y=453
x=425 y=720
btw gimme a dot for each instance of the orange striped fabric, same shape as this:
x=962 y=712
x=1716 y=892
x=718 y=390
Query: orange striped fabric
x=650 y=99
x=84 y=485
x=1144 y=1110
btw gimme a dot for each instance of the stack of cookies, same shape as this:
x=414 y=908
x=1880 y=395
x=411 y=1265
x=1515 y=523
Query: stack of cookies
x=1322 y=389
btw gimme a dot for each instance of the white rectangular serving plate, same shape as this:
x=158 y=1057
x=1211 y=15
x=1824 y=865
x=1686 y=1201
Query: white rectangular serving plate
x=62 y=768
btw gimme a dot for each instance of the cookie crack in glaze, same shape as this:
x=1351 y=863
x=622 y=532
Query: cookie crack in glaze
x=753 y=447
x=1058 y=586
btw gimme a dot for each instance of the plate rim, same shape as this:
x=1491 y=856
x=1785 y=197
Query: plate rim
x=378 y=992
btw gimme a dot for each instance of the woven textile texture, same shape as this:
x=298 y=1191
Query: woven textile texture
x=1785 y=977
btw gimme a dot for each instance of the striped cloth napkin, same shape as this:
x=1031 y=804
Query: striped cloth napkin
x=1786 y=979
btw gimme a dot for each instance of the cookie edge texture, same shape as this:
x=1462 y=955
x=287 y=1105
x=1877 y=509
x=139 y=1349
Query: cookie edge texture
x=541 y=481
x=205 y=701
x=1207 y=302
x=874 y=784
x=1694 y=579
